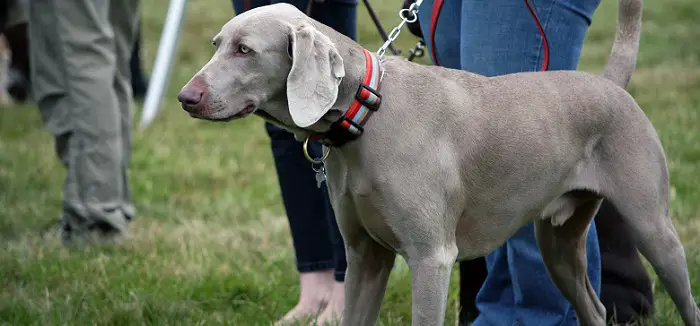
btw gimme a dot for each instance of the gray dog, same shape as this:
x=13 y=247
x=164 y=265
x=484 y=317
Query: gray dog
x=451 y=163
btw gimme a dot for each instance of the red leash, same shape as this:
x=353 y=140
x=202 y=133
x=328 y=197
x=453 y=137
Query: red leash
x=545 y=44
x=437 y=6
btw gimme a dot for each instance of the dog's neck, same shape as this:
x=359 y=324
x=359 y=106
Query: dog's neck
x=357 y=97
x=354 y=62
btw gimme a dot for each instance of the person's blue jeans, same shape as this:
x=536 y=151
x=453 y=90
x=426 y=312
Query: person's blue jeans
x=498 y=37
x=318 y=244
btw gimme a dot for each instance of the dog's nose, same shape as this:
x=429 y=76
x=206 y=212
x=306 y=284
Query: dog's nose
x=194 y=95
x=190 y=96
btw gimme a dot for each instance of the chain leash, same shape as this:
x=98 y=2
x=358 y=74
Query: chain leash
x=409 y=15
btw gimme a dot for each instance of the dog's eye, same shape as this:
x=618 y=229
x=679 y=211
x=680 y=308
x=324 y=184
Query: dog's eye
x=243 y=49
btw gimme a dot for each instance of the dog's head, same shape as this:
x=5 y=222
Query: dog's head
x=272 y=54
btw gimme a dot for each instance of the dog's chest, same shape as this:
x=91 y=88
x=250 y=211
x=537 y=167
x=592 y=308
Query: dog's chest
x=356 y=196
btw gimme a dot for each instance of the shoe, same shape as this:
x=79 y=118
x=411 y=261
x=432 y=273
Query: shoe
x=96 y=235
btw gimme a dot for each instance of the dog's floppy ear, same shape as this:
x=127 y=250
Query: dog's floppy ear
x=317 y=69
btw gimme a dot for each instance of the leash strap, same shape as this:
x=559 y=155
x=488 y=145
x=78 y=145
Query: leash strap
x=437 y=7
x=545 y=44
x=367 y=101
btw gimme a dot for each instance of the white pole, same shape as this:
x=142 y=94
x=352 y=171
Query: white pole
x=163 y=61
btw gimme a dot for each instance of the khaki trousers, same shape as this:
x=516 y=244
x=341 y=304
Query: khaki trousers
x=81 y=84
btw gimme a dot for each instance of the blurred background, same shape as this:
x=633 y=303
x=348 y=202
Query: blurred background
x=211 y=243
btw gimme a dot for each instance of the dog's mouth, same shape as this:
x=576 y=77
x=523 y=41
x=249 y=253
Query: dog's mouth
x=250 y=108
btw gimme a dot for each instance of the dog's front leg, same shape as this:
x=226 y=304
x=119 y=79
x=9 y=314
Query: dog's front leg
x=369 y=266
x=430 y=274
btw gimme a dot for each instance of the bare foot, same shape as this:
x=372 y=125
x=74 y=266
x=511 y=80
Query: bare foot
x=315 y=293
x=333 y=314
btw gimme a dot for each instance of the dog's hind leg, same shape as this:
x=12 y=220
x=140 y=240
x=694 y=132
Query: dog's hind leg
x=637 y=185
x=657 y=240
x=369 y=266
x=563 y=251
x=430 y=275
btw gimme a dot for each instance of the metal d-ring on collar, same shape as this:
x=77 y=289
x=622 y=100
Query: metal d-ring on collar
x=326 y=152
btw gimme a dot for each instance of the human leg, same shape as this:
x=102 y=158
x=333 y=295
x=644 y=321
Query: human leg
x=626 y=290
x=341 y=15
x=498 y=38
x=125 y=17
x=73 y=66
x=317 y=242
x=306 y=209
x=472 y=274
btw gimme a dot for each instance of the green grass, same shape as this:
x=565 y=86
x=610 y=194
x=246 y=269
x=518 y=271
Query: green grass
x=211 y=243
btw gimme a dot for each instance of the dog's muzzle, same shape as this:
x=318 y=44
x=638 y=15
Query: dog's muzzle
x=194 y=95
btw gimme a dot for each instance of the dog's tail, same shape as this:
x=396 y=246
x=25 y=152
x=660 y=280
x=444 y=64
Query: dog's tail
x=623 y=56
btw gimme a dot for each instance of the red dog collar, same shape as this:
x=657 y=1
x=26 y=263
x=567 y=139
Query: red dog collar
x=367 y=100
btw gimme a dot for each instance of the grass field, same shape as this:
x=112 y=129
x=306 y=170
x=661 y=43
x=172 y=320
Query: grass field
x=211 y=244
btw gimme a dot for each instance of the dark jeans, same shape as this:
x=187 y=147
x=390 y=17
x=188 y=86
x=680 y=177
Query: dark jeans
x=317 y=241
